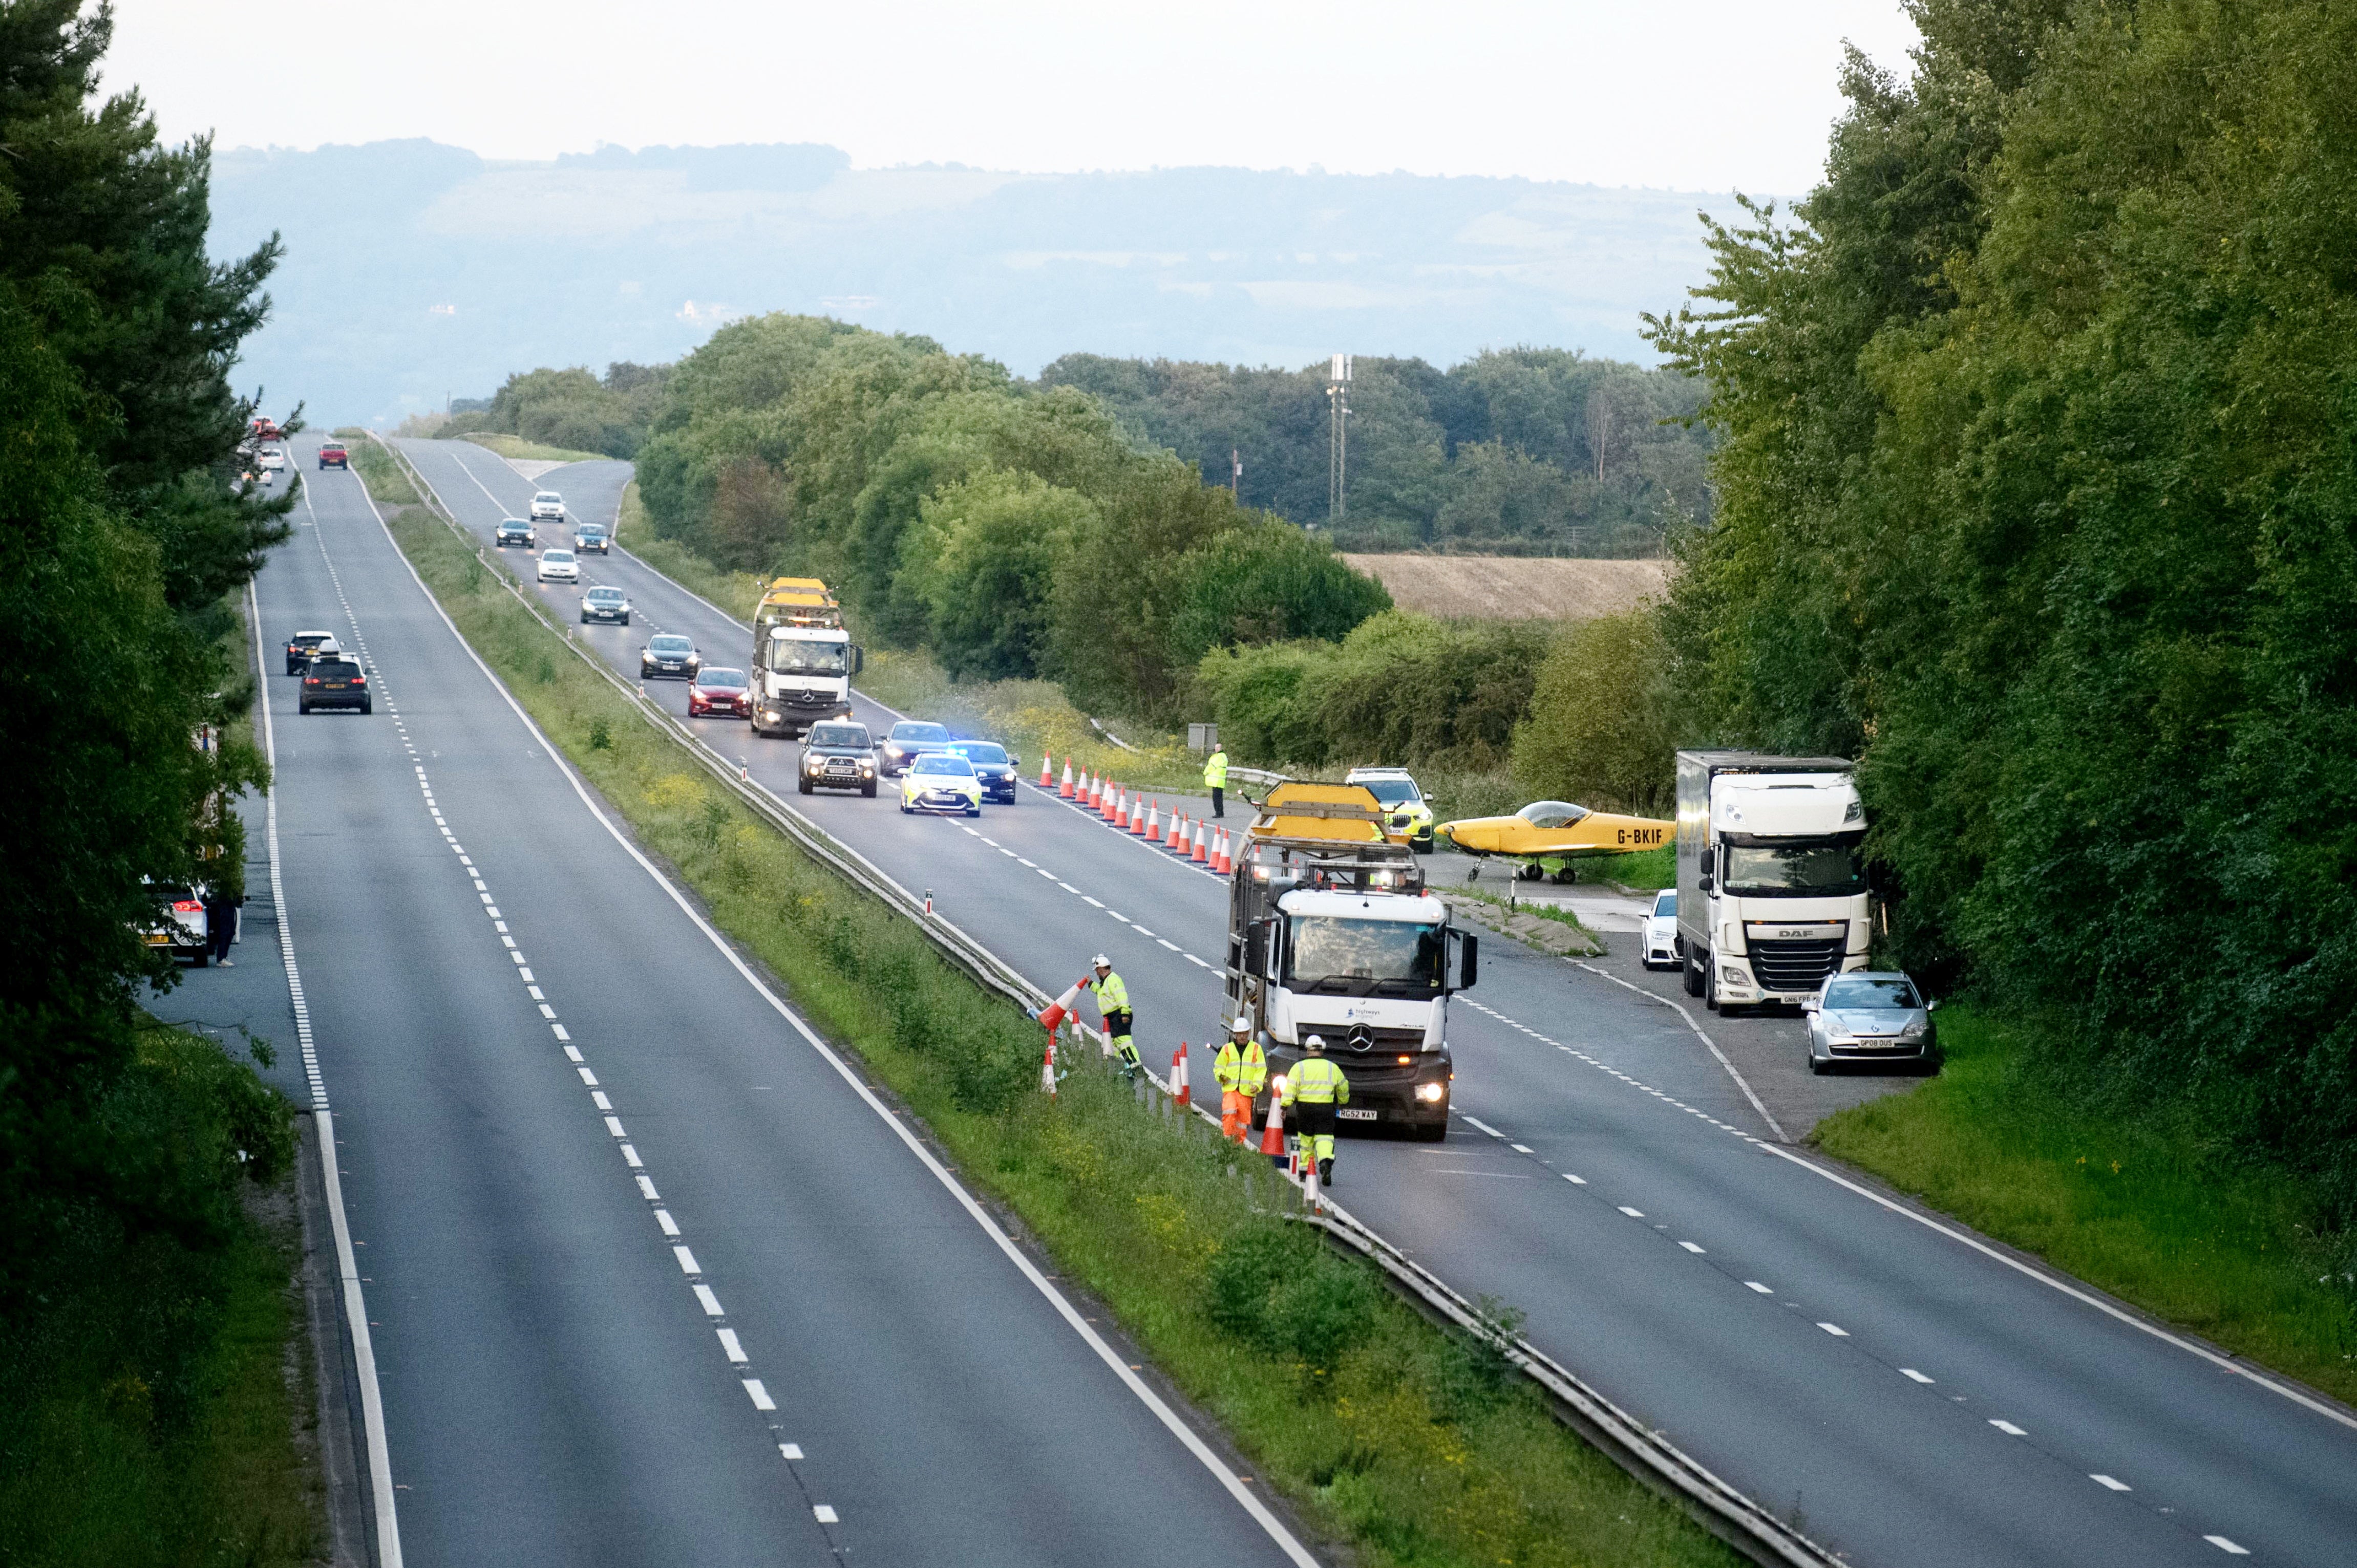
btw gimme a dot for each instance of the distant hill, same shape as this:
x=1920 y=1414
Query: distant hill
x=416 y=271
x=1512 y=587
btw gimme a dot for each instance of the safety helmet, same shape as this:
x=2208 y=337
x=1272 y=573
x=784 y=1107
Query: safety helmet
x=1314 y=1042
x=1101 y=961
x=1243 y=1026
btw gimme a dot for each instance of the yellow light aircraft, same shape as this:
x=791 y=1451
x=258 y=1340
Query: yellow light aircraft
x=1546 y=836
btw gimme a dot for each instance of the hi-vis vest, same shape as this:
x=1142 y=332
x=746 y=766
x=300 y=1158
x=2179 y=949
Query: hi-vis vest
x=1215 y=771
x=1246 y=1071
x=1112 y=997
x=1317 y=1081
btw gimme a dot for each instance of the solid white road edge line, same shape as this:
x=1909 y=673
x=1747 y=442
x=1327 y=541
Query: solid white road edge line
x=1741 y=1082
x=380 y=1459
x=2085 y=1297
x=1227 y=1478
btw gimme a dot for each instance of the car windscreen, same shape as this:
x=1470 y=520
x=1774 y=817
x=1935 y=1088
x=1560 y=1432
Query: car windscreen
x=721 y=678
x=1363 y=958
x=1666 y=902
x=989 y=753
x=589 y=531
x=557 y=557
x=787 y=657
x=548 y=496
x=843 y=738
x=1391 y=791
x=1808 y=868
x=606 y=595
x=670 y=645
x=945 y=762
x=514 y=523
x=914 y=731
x=1853 y=991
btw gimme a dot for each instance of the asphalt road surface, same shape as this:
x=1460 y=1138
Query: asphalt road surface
x=653 y=1280
x=1910 y=1395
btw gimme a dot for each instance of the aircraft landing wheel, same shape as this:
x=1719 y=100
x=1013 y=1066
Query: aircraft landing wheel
x=1473 y=874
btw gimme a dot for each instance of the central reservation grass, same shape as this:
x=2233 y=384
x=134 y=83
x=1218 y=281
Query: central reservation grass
x=1412 y=1446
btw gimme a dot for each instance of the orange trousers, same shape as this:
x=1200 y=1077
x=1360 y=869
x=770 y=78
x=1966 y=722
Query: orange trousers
x=1235 y=1114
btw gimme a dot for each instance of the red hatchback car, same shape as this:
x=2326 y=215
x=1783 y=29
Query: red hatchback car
x=717 y=693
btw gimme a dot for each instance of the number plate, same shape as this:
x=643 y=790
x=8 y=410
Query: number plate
x=1350 y=1113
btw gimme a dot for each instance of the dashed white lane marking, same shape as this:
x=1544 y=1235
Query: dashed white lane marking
x=2111 y=1483
x=1086 y=899
x=1632 y=1213
x=2226 y=1546
x=731 y=1347
x=1141 y=931
x=1835 y=1329
x=790 y=1450
x=614 y=1126
x=823 y=1513
x=1763 y=1290
x=1913 y=1376
x=2008 y=1428
x=663 y=1219
x=598 y=1097
x=1690 y=1247
x=711 y=1303
x=630 y=1157
x=761 y=1400
x=1068 y=888
x=1166 y=942
x=647 y=1190
x=1520 y=1148
x=1476 y=1121
x=687 y=1264
x=1575 y=1180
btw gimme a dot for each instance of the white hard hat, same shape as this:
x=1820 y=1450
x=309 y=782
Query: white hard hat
x=1314 y=1042
x=1101 y=961
x=1241 y=1027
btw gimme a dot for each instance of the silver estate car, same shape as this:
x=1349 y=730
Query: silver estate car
x=1872 y=1015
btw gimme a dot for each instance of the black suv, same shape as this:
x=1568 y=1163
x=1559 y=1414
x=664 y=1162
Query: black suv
x=333 y=683
x=514 y=531
x=838 y=755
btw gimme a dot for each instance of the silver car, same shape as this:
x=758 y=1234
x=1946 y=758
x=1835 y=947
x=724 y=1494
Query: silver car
x=1872 y=1015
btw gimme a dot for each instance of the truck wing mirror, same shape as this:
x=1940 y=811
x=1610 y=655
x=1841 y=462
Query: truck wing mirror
x=1256 y=947
x=858 y=659
x=1464 y=960
x=1704 y=884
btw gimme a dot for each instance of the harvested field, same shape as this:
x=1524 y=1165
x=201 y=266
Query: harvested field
x=1515 y=587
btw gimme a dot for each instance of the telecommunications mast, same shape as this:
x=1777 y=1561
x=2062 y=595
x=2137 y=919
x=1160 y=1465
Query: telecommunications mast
x=1338 y=394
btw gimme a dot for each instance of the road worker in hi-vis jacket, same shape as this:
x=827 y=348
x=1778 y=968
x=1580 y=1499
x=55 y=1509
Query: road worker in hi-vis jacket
x=1241 y=1067
x=1113 y=1005
x=1312 y=1090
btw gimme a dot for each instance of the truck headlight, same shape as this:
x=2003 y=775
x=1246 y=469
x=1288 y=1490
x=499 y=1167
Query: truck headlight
x=1431 y=1093
x=1731 y=975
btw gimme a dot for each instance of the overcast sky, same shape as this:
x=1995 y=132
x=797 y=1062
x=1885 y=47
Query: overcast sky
x=1705 y=95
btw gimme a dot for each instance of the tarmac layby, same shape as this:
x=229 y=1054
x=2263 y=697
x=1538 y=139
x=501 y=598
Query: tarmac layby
x=1909 y=1394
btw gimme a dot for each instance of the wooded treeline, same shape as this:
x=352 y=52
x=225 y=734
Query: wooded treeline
x=123 y=541
x=2035 y=492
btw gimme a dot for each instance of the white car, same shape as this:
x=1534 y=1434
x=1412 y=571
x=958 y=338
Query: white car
x=559 y=567
x=1660 y=947
x=272 y=459
x=548 y=507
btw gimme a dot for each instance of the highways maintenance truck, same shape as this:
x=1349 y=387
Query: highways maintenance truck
x=1331 y=932
x=804 y=658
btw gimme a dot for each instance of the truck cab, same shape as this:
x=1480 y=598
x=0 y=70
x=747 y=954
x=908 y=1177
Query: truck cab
x=802 y=674
x=1773 y=895
x=1331 y=933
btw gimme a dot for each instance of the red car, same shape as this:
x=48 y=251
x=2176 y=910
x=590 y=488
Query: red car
x=719 y=692
x=333 y=456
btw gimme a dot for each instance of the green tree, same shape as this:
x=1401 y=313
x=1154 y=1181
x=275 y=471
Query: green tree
x=1266 y=581
x=1602 y=729
x=984 y=557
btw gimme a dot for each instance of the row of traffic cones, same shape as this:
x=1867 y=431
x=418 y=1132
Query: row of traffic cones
x=1188 y=838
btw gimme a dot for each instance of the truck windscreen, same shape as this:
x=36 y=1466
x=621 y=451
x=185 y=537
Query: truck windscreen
x=1808 y=868
x=1339 y=957
x=789 y=657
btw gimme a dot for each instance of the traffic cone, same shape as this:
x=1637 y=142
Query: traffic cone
x=1066 y=793
x=1272 y=1135
x=1178 y=1077
x=1178 y=827
x=1312 y=1194
x=1219 y=861
x=1047 y=1068
x=1203 y=855
x=1182 y=836
x=1112 y=801
x=1149 y=826
x=1091 y=788
x=1045 y=778
x=1056 y=1012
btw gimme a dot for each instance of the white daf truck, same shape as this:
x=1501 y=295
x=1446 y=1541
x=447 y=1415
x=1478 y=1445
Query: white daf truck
x=1772 y=878
x=1331 y=933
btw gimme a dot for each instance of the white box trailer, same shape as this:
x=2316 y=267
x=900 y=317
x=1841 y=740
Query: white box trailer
x=1771 y=877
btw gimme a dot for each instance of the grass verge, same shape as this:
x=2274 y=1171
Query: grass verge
x=2152 y=1211
x=516 y=447
x=151 y=1385
x=1413 y=1446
